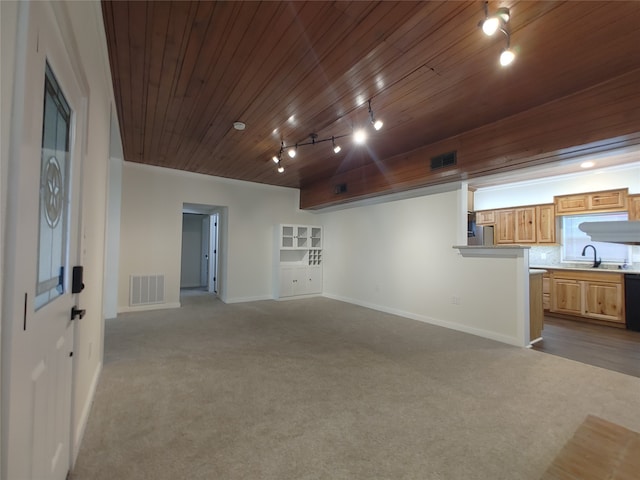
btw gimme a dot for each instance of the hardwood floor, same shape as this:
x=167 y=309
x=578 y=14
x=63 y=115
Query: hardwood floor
x=599 y=449
x=606 y=347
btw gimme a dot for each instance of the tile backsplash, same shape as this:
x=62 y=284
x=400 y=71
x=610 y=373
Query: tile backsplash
x=550 y=256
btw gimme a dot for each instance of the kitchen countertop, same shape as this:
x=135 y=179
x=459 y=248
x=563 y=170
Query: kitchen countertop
x=586 y=269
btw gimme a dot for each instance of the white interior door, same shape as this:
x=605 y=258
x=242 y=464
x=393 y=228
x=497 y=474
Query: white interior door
x=43 y=246
x=204 y=254
x=213 y=253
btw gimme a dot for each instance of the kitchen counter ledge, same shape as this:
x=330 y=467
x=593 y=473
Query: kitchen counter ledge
x=586 y=269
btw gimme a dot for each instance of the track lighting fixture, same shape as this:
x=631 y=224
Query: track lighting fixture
x=492 y=23
x=359 y=137
x=336 y=148
x=377 y=124
x=498 y=21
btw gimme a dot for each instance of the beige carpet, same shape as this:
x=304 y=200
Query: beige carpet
x=319 y=389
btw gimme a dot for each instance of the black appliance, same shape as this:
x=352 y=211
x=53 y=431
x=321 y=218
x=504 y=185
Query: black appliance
x=632 y=300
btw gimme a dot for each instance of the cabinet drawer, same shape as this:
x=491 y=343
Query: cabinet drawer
x=486 y=218
x=572 y=203
x=608 y=200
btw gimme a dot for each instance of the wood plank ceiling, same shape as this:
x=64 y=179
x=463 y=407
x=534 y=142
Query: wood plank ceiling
x=183 y=72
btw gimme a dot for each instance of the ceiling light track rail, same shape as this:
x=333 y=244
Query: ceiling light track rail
x=359 y=137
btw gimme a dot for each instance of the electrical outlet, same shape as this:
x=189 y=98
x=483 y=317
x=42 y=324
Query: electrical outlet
x=455 y=300
x=543 y=256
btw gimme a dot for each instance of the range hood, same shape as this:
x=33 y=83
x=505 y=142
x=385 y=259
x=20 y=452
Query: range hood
x=627 y=232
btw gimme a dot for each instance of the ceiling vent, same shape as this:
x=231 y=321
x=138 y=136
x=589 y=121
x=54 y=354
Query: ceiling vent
x=444 y=160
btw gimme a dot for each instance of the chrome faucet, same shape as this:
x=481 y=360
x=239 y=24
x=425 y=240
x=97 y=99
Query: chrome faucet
x=596 y=263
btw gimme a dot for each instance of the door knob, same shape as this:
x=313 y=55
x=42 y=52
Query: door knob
x=76 y=312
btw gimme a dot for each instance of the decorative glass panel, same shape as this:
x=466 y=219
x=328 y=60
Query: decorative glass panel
x=54 y=193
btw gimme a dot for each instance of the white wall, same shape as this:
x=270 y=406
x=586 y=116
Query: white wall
x=114 y=195
x=151 y=229
x=543 y=190
x=398 y=257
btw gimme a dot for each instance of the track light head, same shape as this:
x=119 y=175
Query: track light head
x=280 y=169
x=275 y=159
x=492 y=23
x=377 y=124
x=507 y=57
x=336 y=148
x=292 y=151
x=360 y=136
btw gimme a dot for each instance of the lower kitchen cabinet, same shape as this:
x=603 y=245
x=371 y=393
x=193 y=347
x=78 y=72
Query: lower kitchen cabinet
x=603 y=300
x=300 y=280
x=586 y=295
x=567 y=296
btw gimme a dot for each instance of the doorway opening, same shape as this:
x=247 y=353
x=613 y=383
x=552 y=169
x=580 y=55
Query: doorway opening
x=202 y=250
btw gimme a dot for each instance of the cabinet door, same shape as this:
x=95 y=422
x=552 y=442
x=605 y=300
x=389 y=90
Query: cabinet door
x=611 y=200
x=634 y=207
x=505 y=226
x=302 y=237
x=314 y=279
x=287 y=237
x=546 y=219
x=525 y=225
x=604 y=301
x=316 y=237
x=546 y=291
x=566 y=296
x=488 y=217
x=571 y=203
x=288 y=281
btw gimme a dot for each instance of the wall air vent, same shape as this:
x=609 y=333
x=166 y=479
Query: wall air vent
x=146 y=289
x=444 y=160
x=340 y=188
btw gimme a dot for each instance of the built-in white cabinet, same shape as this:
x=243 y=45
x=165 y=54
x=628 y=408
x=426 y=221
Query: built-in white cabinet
x=298 y=260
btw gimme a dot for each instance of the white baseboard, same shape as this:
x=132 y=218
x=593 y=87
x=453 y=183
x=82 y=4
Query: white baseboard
x=433 y=321
x=84 y=416
x=144 y=308
x=248 y=299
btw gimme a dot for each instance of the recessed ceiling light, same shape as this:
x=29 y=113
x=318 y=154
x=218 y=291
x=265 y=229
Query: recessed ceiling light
x=588 y=164
x=239 y=125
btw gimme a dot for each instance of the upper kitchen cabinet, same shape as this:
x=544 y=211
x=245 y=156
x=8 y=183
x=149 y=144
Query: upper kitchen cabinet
x=546 y=223
x=505 y=226
x=634 y=207
x=605 y=201
x=525 y=225
x=535 y=224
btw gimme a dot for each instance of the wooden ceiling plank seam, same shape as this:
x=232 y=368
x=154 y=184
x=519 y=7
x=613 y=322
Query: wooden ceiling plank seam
x=241 y=86
x=114 y=62
x=231 y=44
x=137 y=35
x=173 y=106
x=121 y=40
x=310 y=73
x=155 y=58
x=226 y=111
x=180 y=15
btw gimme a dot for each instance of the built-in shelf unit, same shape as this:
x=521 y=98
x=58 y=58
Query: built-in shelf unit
x=298 y=260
